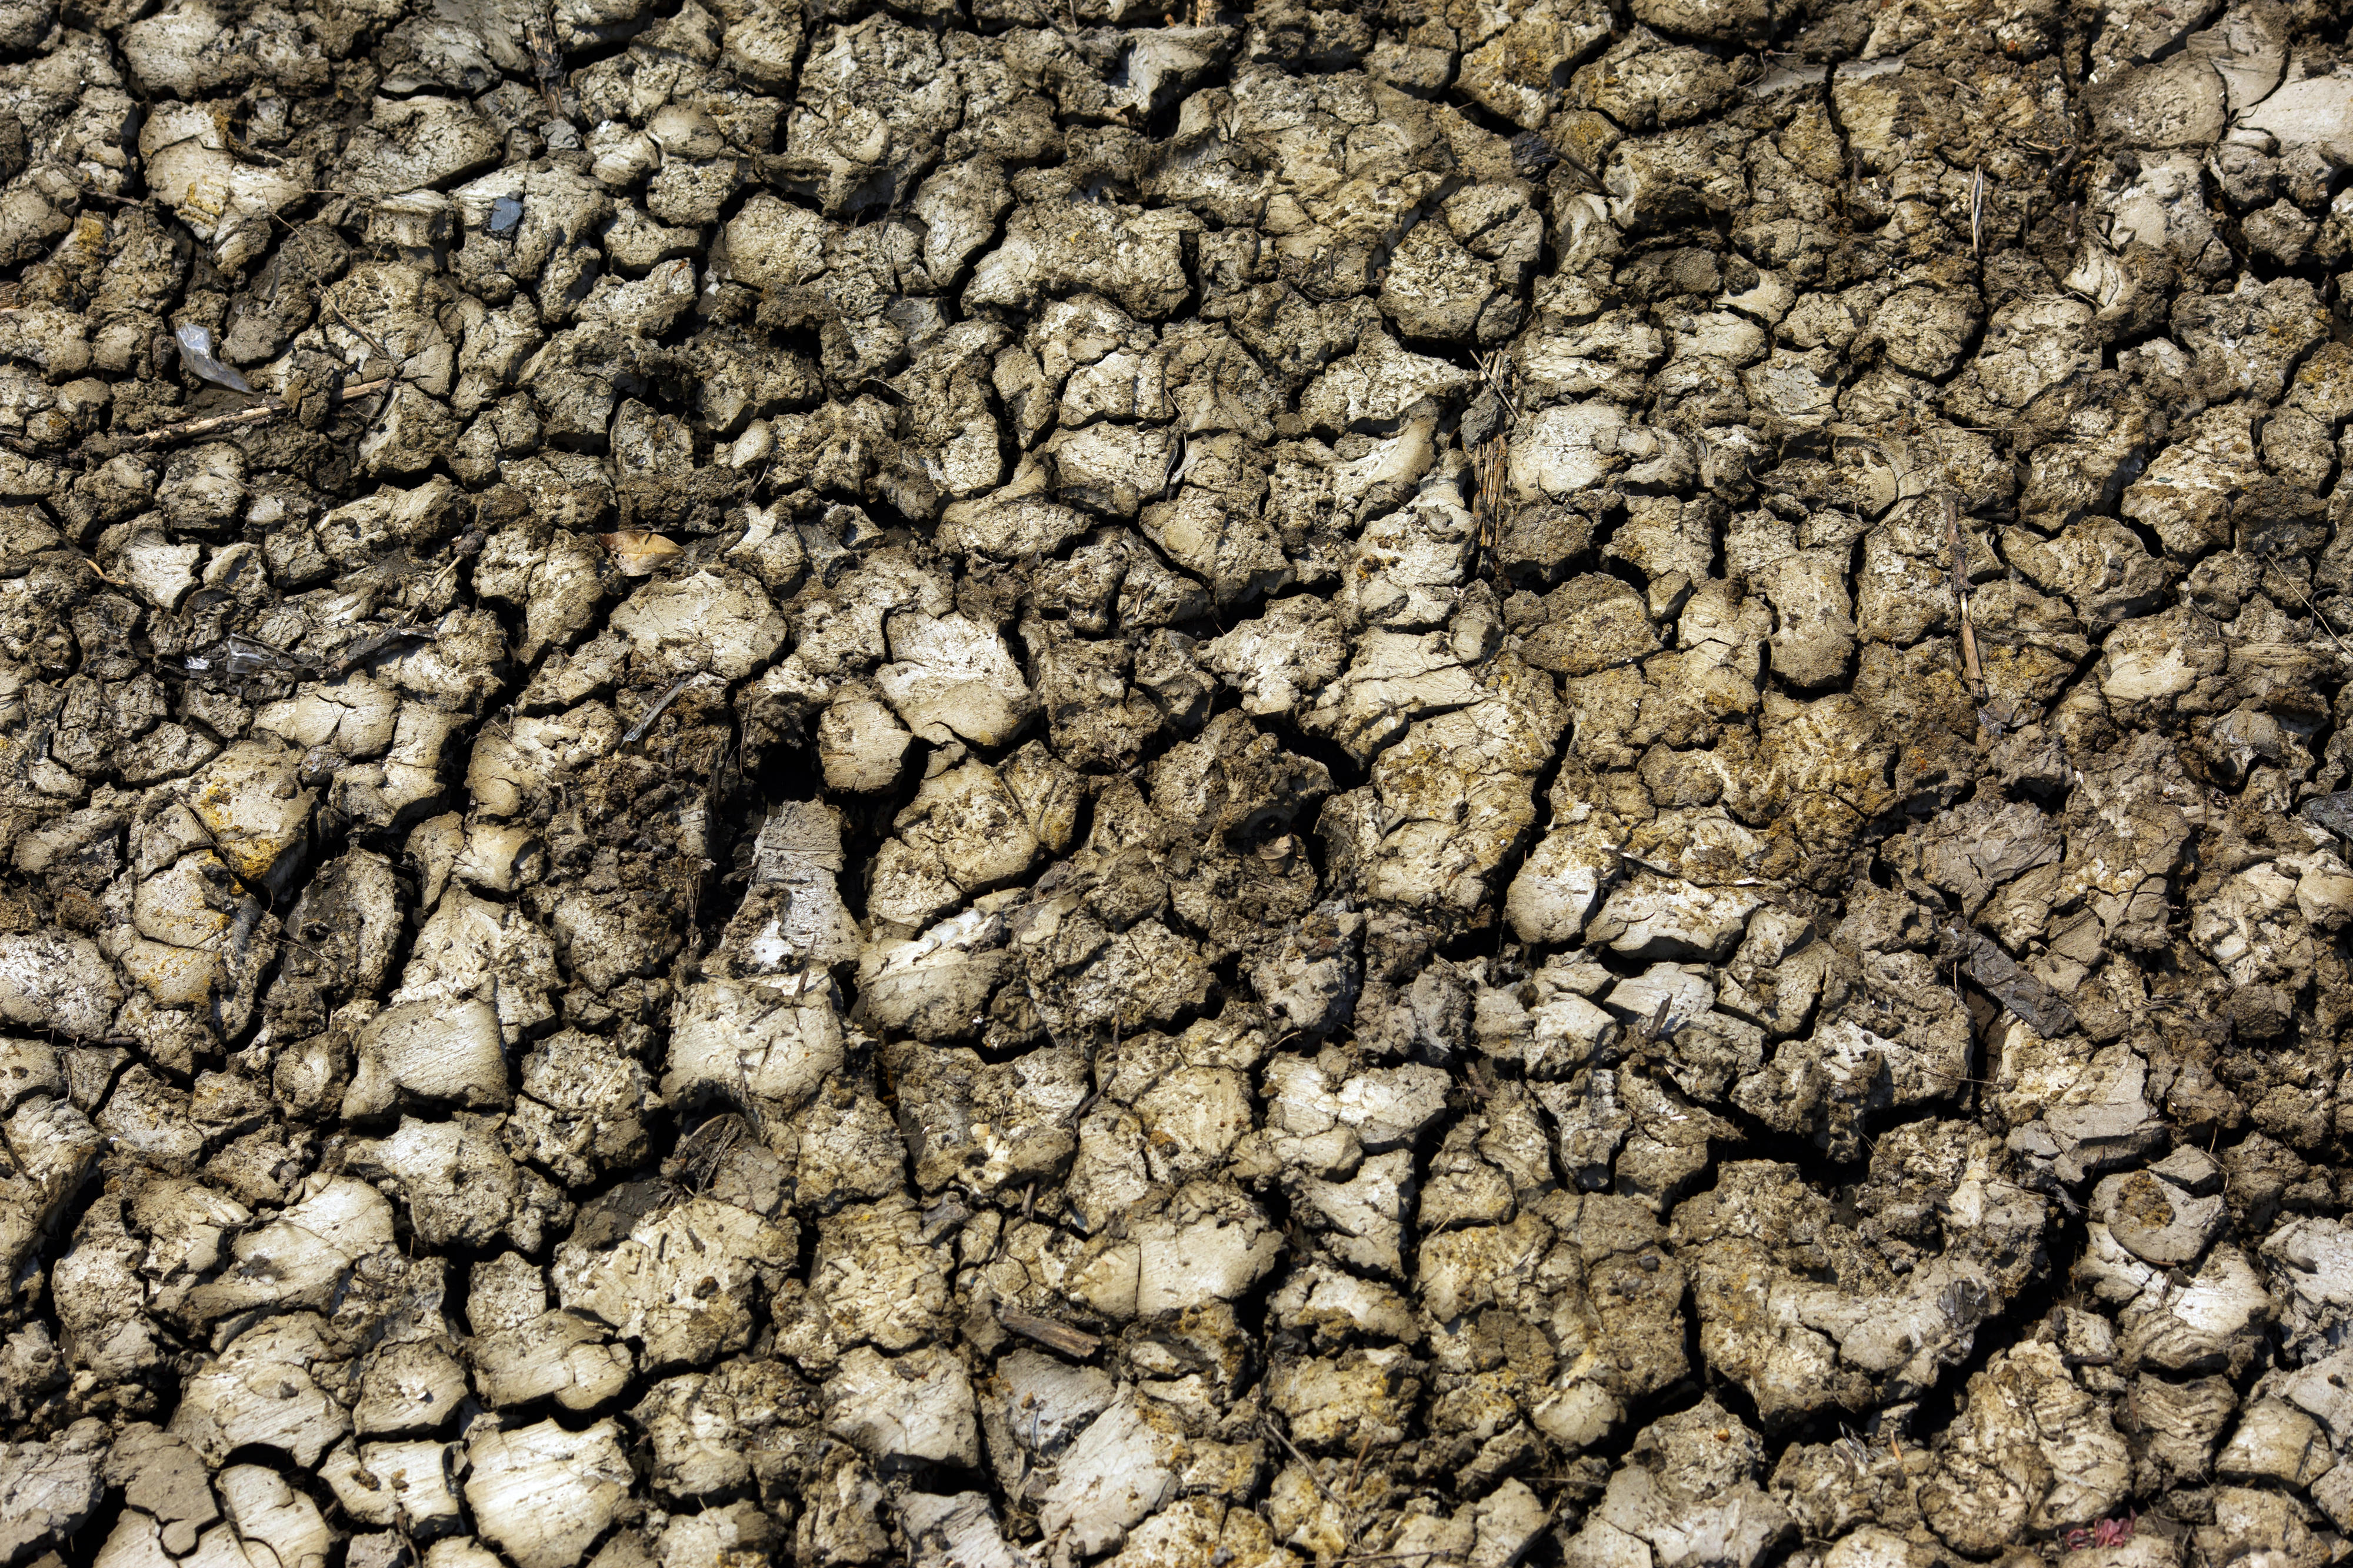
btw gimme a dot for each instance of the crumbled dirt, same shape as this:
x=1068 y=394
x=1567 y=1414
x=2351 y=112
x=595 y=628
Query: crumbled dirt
x=1005 y=783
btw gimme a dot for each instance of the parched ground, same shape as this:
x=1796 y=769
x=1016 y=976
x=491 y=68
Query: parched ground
x=1000 y=783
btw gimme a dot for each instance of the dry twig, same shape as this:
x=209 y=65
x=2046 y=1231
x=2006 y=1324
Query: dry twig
x=374 y=346
x=1266 y=1423
x=1055 y=1336
x=1970 y=668
x=1490 y=458
x=190 y=429
x=2318 y=619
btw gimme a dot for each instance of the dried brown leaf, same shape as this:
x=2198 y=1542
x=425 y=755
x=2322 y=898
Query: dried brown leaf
x=637 y=551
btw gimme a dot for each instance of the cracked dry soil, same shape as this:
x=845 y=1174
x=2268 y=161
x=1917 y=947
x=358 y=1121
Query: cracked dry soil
x=1010 y=783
